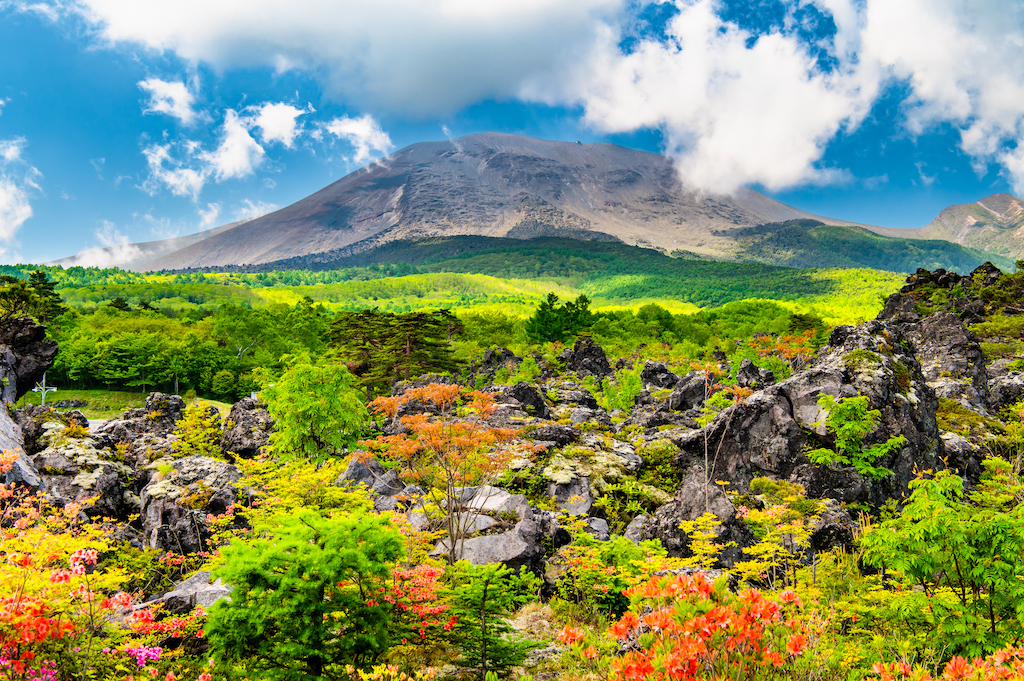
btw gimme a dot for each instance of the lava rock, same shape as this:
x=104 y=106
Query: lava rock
x=247 y=429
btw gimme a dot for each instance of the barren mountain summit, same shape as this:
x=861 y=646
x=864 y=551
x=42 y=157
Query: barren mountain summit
x=494 y=185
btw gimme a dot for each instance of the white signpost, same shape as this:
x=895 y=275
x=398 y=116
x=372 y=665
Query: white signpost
x=42 y=389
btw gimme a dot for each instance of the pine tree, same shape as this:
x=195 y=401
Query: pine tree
x=49 y=303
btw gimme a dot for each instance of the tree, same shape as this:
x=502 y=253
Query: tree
x=961 y=563
x=444 y=456
x=850 y=421
x=484 y=595
x=198 y=432
x=120 y=303
x=382 y=347
x=317 y=410
x=551 y=323
x=49 y=303
x=302 y=600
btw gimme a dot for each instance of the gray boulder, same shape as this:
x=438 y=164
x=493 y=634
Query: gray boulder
x=25 y=355
x=559 y=434
x=951 y=359
x=175 y=505
x=586 y=358
x=247 y=429
x=1006 y=390
x=519 y=548
x=525 y=396
x=198 y=591
x=693 y=499
x=657 y=375
x=750 y=376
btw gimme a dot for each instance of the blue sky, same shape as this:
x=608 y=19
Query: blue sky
x=123 y=121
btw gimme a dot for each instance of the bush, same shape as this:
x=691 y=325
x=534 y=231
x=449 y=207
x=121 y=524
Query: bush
x=301 y=602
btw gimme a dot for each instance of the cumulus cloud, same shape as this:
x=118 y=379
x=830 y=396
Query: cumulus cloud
x=184 y=167
x=735 y=106
x=363 y=133
x=238 y=154
x=278 y=122
x=18 y=182
x=171 y=98
x=393 y=54
x=738 y=108
x=3 y=102
x=250 y=209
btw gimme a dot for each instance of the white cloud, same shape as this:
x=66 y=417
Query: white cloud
x=734 y=108
x=249 y=209
x=187 y=170
x=171 y=98
x=208 y=217
x=278 y=122
x=238 y=154
x=363 y=133
x=433 y=57
x=731 y=113
x=173 y=173
x=114 y=249
x=18 y=182
x=3 y=102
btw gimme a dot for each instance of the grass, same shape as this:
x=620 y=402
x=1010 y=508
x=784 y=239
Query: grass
x=107 y=404
x=103 y=404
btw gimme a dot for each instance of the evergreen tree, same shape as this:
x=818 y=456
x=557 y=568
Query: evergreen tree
x=484 y=596
x=554 y=323
x=49 y=303
x=301 y=600
x=545 y=325
x=382 y=347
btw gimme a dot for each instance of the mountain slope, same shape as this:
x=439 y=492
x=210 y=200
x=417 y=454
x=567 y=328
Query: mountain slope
x=809 y=243
x=494 y=185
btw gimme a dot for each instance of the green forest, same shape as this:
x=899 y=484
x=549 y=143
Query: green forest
x=502 y=473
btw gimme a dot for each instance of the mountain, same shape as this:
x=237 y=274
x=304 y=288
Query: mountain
x=993 y=225
x=494 y=185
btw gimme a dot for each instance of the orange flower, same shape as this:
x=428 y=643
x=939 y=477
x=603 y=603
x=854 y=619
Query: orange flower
x=590 y=652
x=570 y=635
x=796 y=644
x=957 y=668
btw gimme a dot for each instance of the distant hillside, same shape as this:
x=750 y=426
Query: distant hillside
x=994 y=225
x=809 y=243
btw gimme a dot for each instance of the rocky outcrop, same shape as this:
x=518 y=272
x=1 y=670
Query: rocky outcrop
x=198 y=591
x=951 y=358
x=526 y=398
x=657 y=375
x=519 y=548
x=768 y=433
x=694 y=498
x=25 y=355
x=586 y=358
x=175 y=504
x=750 y=376
x=144 y=433
x=247 y=429
x=73 y=468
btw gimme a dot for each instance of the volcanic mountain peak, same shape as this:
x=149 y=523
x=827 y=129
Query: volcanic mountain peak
x=494 y=184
